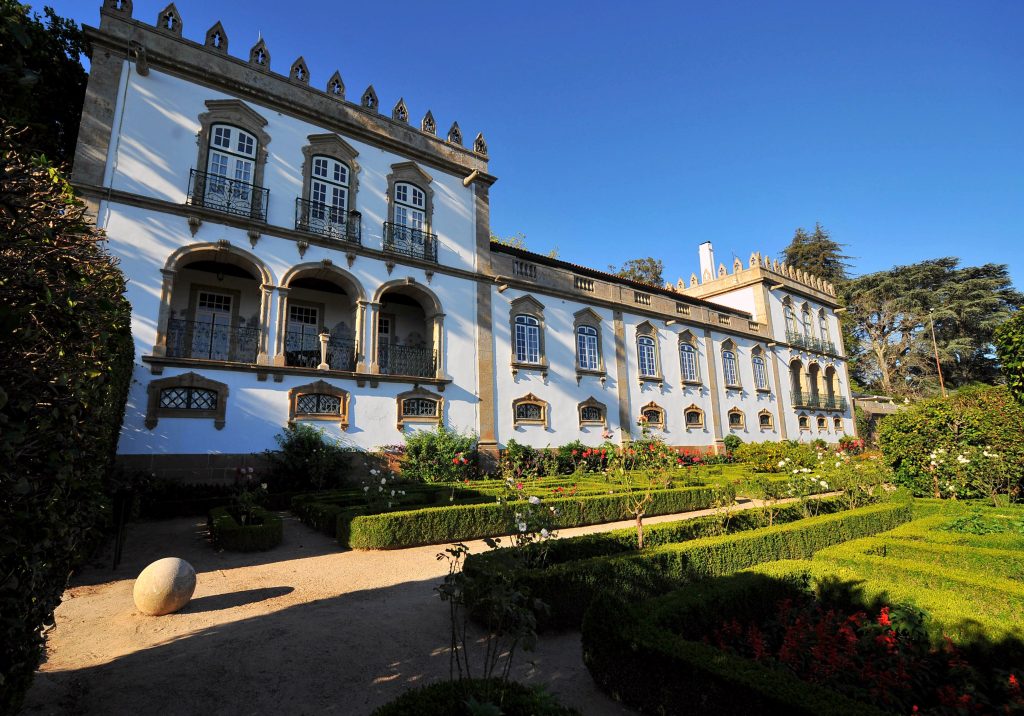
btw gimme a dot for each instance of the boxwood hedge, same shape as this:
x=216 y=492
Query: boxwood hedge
x=231 y=535
x=449 y=698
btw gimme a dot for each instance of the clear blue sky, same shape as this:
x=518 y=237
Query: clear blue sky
x=631 y=129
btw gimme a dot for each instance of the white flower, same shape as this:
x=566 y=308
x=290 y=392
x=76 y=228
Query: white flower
x=401 y=492
x=452 y=498
x=797 y=471
x=392 y=493
x=374 y=472
x=534 y=500
x=823 y=483
x=782 y=463
x=838 y=464
x=522 y=526
x=263 y=485
x=805 y=470
x=932 y=456
x=251 y=471
x=544 y=532
x=380 y=489
x=383 y=481
x=366 y=488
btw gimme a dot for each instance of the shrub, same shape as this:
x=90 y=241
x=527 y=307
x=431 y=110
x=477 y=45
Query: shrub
x=262 y=530
x=775 y=456
x=1009 y=340
x=732 y=442
x=454 y=698
x=169 y=498
x=439 y=456
x=975 y=419
x=306 y=459
x=65 y=366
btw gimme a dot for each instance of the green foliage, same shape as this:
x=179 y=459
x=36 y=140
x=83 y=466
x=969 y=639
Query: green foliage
x=1009 y=340
x=646 y=270
x=440 y=455
x=732 y=442
x=42 y=81
x=65 y=367
x=772 y=456
x=306 y=459
x=817 y=254
x=468 y=697
x=985 y=419
x=260 y=531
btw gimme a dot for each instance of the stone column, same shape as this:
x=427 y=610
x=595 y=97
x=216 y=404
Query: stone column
x=372 y=309
x=164 y=314
x=266 y=298
x=437 y=341
x=621 y=379
x=282 y=325
x=713 y=388
x=324 y=338
x=357 y=336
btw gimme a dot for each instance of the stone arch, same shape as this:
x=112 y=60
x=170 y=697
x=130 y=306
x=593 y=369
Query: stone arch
x=798 y=381
x=433 y=316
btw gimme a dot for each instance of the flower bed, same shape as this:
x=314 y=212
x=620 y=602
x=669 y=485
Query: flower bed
x=449 y=698
x=264 y=531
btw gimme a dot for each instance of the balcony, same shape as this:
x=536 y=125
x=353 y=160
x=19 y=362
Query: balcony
x=328 y=221
x=799 y=340
x=228 y=196
x=405 y=240
x=302 y=350
x=407 y=360
x=818 y=402
x=209 y=341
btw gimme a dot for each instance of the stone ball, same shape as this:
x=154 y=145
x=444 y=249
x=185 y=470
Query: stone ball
x=165 y=586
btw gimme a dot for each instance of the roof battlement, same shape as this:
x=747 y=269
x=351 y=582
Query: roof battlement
x=759 y=268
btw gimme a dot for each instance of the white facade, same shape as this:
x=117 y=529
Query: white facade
x=386 y=309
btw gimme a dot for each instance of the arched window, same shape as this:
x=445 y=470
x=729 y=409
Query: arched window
x=328 y=195
x=765 y=420
x=787 y=309
x=688 y=359
x=806 y=318
x=529 y=410
x=318 y=401
x=730 y=370
x=587 y=352
x=823 y=326
x=652 y=415
x=410 y=206
x=230 y=169
x=693 y=417
x=804 y=422
x=837 y=423
x=760 y=370
x=592 y=412
x=419 y=406
x=410 y=210
x=737 y=420
x=646 y=357
x=822 y=423
x=527 y=339
x=186 y=396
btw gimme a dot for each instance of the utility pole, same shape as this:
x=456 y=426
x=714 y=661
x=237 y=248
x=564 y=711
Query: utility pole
x=938 y=366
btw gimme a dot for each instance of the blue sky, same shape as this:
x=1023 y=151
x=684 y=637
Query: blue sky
x=622 y=130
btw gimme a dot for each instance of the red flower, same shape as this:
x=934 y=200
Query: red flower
x=883 y=617
x=455 y=461
x=519 y=486
x=1014 y=684
x=574 y=453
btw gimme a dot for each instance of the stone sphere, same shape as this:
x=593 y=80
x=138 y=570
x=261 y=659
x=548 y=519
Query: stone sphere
x=164 y=586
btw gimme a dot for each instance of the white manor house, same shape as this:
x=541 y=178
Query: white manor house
x=294 y=255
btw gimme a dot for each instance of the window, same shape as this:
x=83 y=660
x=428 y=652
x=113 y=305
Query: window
x=419 y=406
x=527 y=339
x=186 y=396
x=837 y=423
x=693 y=417
x=688 y=358
x=592 y=412
x=737 y=419
x=646 y=357
x=410 y=206
x=765 y=420
x=790 y=317
x=328 y=190
x=804 y=422
x=211 y=327
x=823 y=326
x=652 y=415
x=410 y=209
x=232 y=156
x=822 y=423
x=330 y=176
x=806 y=317
x=730 y=370
x=529 y=410
x=587 y=348
x=318 y=401
x=760 y=370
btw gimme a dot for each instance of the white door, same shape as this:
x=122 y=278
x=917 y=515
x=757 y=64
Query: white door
x=211 y=332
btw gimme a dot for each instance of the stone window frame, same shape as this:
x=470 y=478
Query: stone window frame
x=238 y=114
x=837 y=424
x=642 y=419
x=411 y=173
x=755 y=353
x=693 y=408
x=821 y=423
x=789 y=318
x=803 y=422
x=323 y=388
x=186 y=380
x=735 y=411
x=421 y=394
x=334 y=147
x=806 y=320
x=530 y=399
x=646 y=329
x=826 y=335
x=592 y=402
x=528 y=306
x=771 y=420
x=686 y=338
x=729 y=346
x=590 y=318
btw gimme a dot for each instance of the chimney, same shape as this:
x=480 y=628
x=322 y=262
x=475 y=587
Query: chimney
x=707 y=260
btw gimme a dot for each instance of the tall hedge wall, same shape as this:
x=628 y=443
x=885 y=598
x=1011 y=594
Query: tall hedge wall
x=65 y=367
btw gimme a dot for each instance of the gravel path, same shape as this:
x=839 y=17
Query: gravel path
x=302 y=629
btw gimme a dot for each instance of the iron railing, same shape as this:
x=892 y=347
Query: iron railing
x=412 y=242
x=302 y=350
x=407 y=360
x=815 y=401
x=199 y=339
x=795 y=338
x=835 y=403
x=328 y=221
x=230 y=196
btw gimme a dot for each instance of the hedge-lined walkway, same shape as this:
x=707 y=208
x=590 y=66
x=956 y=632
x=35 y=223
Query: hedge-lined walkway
x=303 y=628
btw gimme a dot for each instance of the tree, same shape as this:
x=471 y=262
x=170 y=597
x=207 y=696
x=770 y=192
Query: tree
x=647 y=270
x=817 y=254
x=518 y=241
x=42 y=81
x=1009 y=340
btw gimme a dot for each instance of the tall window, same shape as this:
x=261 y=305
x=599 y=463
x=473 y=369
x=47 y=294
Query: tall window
x=410 y=206
x=211 y=332
x=760 y=372
x=328 y=191
x=302 y=340
x=586 y=348
x=527 y=340
x=790 y=318
x=688 y=361
x=231 y=164
x=806 y=315
x=729 y=370
x=646 y=356
x=823 y=326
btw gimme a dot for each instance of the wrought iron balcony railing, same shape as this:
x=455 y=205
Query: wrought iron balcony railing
x=407 y=360
x=212 y=341
x=230 y=196
x=795 y=338
x=302 y=350
x=328 y=221
x=412 y=242
x=806 y=400
x=835 y=403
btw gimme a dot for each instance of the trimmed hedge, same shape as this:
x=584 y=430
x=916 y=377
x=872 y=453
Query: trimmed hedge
x=635 y=655
x=438 y=525
x=229 y=534
x=569 y=587
x=448 y=698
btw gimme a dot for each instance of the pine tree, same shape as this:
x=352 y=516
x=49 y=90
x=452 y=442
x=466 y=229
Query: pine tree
x=817 y=254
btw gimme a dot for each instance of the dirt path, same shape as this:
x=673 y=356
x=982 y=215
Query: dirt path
x=302 y=629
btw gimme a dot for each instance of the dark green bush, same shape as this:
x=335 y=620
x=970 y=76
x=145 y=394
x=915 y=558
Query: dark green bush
x=160 y=499
x=449 y=698
x=306 y=459
x=441 y=455
x=65 y=366
x=266 y=532
x=732 y=442
x=1009 y=340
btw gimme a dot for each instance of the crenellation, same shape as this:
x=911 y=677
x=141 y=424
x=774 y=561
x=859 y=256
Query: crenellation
x=217 y=38
x=259 y=56
x=299 y=72
x=169 y=20
x=400 y=113
x=369 y=99
x=335 y=86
